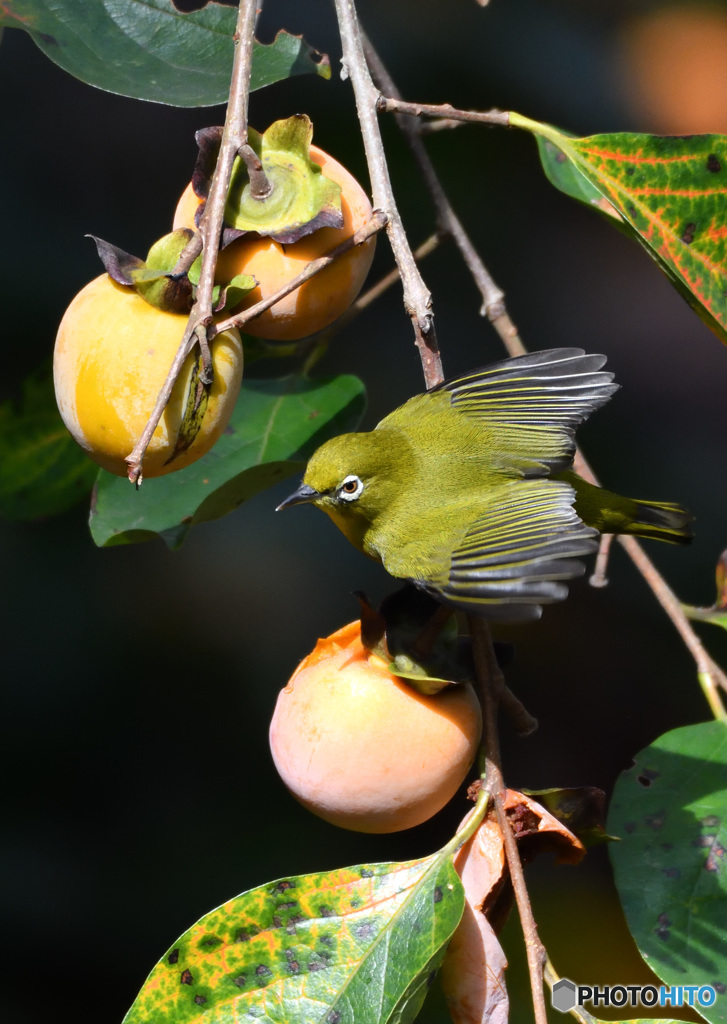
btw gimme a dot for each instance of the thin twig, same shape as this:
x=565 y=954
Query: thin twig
x=320 y=342
x=376 y=223
x=491 y=683
x=233 y=137
x=417 y=298
x=598 y=577
x=520 y=718
x=383 y=284
x=552 y=978
x=493 y=298
x=391 y=104
x=710 y=674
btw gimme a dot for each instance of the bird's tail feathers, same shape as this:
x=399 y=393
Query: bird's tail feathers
x=661 y=521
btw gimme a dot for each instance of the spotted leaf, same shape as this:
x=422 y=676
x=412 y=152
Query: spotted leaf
x=358 y=944
x=671 y=863
x=668 y=192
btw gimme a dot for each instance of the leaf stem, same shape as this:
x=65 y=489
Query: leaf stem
x=417 y=298
x=393 y=104
x=490 y=684
x=472 y=822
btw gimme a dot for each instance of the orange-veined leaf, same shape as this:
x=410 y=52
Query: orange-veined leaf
x=670 y=193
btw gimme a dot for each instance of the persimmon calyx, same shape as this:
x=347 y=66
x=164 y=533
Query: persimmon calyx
x=416 y=638
x=276 y=189
x=155 y=281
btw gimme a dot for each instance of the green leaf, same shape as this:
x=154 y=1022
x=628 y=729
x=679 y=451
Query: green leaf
x=148 y=50
x=42 y=469
x=670 y=192
x=671 y=864
x=565 y=175
x=357 y=944
x=276 y=426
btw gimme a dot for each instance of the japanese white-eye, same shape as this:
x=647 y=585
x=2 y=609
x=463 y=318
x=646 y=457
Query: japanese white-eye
x=467 y=490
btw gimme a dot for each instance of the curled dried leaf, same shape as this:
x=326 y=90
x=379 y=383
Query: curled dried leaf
x=473 y=972
x=537 y=830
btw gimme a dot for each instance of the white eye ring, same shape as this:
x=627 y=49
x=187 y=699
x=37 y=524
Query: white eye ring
x=351 y=488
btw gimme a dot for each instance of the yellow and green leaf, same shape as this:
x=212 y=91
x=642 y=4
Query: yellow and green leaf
x=668 y=192
x=353 y=944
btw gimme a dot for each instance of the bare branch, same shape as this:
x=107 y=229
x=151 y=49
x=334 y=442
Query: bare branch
x=417 y=298
x=394 y=105
x=233 y=137
x=710 y=674
x=491 y=685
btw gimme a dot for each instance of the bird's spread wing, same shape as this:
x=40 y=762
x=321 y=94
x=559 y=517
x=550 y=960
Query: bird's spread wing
x=531 y=406
x=513 y=556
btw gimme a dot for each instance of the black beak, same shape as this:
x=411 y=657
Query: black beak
x=304 y=493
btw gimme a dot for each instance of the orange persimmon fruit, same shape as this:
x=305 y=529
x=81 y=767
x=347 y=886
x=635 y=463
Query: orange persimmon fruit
x=318 y=302
x=112 y=355
x=364 y=750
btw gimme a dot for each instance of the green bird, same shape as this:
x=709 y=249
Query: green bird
x=468 y=490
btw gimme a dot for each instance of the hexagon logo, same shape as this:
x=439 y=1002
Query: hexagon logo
x=564 y=995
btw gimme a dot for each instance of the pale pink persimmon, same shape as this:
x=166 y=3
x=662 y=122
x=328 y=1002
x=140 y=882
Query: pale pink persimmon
x=364 y=750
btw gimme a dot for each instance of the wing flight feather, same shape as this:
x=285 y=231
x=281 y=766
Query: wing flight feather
x=515 y=555
x=531 y=405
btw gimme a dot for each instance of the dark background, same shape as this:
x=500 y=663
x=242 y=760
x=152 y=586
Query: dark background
x=139 y=683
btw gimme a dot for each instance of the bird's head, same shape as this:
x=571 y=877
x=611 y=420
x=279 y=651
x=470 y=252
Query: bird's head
x=351 y=477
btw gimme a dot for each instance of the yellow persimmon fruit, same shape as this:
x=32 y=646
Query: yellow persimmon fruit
x=361 y=748
x=318 y=302
x=112 y=355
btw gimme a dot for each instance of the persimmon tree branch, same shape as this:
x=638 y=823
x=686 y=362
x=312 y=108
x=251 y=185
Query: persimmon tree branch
x=710 y=675
x=395 y=105
x=417 y=298
x=234 y=136
x=491 y=684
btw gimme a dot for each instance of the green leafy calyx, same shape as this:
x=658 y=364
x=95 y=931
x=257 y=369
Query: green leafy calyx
x=154 y=278
x=288 y=196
